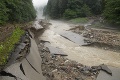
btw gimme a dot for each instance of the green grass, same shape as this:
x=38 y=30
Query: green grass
x=79 y=20
x=8 y=45
x=98 y=25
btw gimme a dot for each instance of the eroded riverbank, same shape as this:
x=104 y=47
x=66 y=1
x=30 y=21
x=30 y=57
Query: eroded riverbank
x=86 y=55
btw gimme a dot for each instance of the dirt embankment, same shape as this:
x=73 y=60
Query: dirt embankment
x=6 y=31
x=19 y=49
x=101 y=38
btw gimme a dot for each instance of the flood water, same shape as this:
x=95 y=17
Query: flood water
x=64 y=41
x=71 y=44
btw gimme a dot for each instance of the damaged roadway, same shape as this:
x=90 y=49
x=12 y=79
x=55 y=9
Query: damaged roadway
x=51 y=66
x=26 y=65
x=42 y=61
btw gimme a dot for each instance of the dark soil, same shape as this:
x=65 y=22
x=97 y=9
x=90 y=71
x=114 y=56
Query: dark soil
x=5 y=31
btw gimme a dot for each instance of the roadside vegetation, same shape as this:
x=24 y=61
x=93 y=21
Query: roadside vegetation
x=19 y=14
x=8 y=45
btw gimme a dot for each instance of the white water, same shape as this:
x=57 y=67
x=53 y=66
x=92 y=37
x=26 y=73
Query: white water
x=39 y=6
x=39 y=3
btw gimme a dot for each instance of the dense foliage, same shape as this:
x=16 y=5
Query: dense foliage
x=70 y=9
x=73 y=8
x=55 y=8
x=3 y=12
x=16 y=11
x=112 y=11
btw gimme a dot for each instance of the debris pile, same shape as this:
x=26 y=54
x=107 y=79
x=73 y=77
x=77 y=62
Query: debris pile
x=102 y=36
x=78 y=29
x=57 y=67
x=105 y=39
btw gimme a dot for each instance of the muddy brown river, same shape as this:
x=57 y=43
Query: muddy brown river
x=71 y=44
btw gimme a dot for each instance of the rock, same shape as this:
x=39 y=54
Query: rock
x=96 y=67
x=22 y=46
x=91 y=36
x=80 y=27
x=54 y=70
x=43 y=50
x=78 y=78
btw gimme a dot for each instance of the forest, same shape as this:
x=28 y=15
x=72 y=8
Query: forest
x=69 y=9
x=14 y=14
x=16 y=11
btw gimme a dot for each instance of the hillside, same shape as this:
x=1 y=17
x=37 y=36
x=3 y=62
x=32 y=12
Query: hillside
x=16 y=11
x=69 y=9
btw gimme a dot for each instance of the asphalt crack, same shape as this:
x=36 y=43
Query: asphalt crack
x=32 y=66
x=4 y=73
x=21 y=68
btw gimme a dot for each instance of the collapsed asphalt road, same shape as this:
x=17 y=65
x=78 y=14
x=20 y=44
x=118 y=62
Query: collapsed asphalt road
x=25 y=63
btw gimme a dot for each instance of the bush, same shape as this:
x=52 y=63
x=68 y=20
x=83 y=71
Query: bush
x=69 y=14
x=85 y=11
x=16 y=11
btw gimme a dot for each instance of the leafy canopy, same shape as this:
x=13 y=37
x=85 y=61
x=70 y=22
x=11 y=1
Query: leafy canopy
x=112 y=11
x=16 y=11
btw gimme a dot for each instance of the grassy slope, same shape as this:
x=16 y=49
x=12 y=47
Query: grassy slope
x=79 y=20
x=8 y=45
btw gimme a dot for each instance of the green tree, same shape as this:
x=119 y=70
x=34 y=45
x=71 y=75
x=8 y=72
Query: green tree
x=112 y=11
x=74 y=8
x=21 y=10
x=55 y=8
x=85 y=11
x=70 y=14
x=96 y=6
x=16 y=11
x=3 y=12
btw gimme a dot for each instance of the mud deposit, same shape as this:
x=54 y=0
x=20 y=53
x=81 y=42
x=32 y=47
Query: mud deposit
x=102 y=38
x=106 y=38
